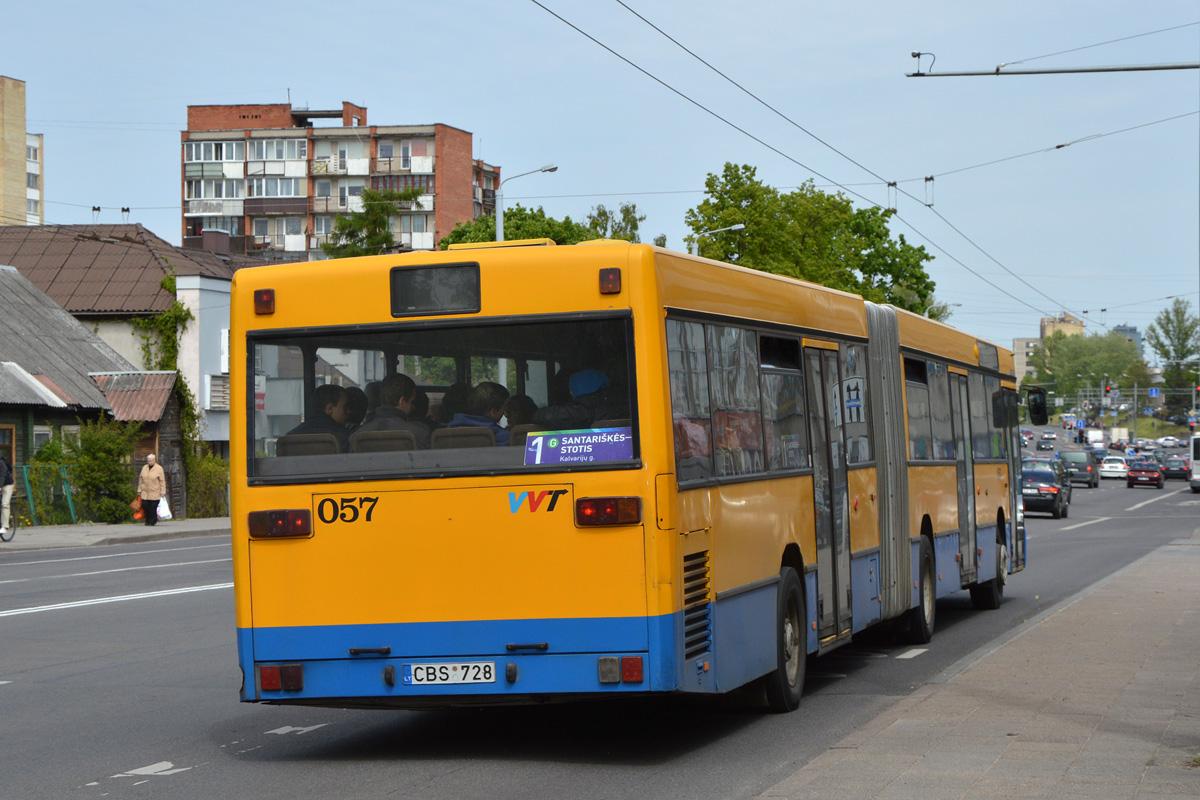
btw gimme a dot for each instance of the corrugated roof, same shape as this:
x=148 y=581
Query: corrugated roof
x=105 y=270
x=47 y=352
x=140 y=396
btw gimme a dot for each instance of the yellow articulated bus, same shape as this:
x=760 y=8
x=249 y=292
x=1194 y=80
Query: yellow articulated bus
x=523 y=473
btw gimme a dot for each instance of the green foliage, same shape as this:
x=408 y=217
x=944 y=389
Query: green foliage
x=160 y=334
x=622 y=224
x=208 y=483
x=1174 y=336
x=47 y=492
x=811 y=235
x=369 y=232
x=1068 y=364
x=103 y=483
x=520 y=223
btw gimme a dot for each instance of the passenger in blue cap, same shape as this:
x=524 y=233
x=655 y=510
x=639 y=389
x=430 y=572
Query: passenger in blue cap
x=592 y=398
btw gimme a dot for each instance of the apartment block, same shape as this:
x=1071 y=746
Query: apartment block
x=22 y=170
x=269 y=180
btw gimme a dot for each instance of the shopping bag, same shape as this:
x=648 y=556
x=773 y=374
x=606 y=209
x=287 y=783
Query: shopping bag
x=139 y=514
x=136 y=505
x=164 y=510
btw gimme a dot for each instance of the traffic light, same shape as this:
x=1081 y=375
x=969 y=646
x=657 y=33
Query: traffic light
x=1107 y=389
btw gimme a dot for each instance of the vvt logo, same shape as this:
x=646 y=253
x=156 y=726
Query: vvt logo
x=536 y=499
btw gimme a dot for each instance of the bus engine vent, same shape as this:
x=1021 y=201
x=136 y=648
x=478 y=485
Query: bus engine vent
x=697 y=614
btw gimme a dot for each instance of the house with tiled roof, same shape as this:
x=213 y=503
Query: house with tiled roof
x=108 y=276
x=56 y=373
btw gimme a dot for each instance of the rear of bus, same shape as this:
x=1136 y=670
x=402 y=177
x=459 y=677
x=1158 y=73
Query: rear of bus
x=472 y=571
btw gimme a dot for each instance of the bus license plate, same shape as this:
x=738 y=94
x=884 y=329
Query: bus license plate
x=465 y=672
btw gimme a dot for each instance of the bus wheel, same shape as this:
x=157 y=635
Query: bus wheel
x=989 y=595
x=786 y=683
x=922 y=617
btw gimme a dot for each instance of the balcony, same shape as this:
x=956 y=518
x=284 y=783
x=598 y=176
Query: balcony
x=393 y=165
x=237 y=244
x=213 y=208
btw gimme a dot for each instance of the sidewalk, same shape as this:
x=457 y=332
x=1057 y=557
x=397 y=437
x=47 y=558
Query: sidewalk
x=47 y=537
x=1099 y=698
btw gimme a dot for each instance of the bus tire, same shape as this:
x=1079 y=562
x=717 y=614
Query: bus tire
x=921 y=618
x=786 y=684
x=988 y=596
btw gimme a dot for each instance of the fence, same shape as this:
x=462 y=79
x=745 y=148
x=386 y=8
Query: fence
x=49 y=494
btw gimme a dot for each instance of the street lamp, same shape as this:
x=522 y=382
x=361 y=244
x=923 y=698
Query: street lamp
x=500 y=197
x=696 y=241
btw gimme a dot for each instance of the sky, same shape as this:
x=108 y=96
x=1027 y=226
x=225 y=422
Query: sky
x=1106 y=228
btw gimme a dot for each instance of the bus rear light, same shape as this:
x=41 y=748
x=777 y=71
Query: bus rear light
x=281 y=677
x=631 y=669
x=610 y=280
x=264 y=301
x=280 y=522
x=608 y=511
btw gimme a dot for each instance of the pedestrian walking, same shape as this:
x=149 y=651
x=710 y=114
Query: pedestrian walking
x=152 y=486
x=6 y=490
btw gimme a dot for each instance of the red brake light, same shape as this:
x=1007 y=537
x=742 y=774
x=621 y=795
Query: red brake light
x=264 y=301
x=281 y=677
x=268 y=678
x=280 y=522
x=631 y=669
x=610 y=280
x=608 y=511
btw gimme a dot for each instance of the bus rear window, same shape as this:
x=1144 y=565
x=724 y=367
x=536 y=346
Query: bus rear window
x=419 y=399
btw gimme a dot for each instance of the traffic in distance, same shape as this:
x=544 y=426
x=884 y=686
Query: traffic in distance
x=1047 y=478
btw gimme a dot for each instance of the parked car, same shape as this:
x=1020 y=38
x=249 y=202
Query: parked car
x=1040 y=491
x=1081 y=467
x=1146 y=472
x=1045 y=444
x=1177 y=467
x=1113 y=467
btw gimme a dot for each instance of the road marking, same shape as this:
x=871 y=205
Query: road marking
x=298 y=731
x=916 y=651
x=161 y=768
x=1151 y=500
x=111 y=555
x=1081 y=524
x=118 y=569
x=120 y=598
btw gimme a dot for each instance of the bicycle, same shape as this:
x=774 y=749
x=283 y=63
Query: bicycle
x=14 y=519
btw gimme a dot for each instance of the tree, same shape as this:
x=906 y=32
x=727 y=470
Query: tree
x=1071 y=364
x=520 y=223
x=621 y=225
x=811 y=235
x=1174 y=336
x=369 y=232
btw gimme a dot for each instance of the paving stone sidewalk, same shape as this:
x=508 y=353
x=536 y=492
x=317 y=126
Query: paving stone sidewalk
x=1101 y=699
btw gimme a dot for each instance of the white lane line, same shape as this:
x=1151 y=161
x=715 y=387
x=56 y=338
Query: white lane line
x=119 y=569
x=916 y=651
x=1069 y=527
x=112 y=555
x=286 y=729
x=121 y=598
x=1151 y=500
x=161 y=768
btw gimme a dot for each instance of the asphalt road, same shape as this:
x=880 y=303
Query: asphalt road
x=118 y=678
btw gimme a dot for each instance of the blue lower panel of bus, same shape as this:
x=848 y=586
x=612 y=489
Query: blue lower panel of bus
x=569 y=664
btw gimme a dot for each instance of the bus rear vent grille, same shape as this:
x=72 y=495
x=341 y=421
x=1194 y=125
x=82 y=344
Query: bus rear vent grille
x=697 y=614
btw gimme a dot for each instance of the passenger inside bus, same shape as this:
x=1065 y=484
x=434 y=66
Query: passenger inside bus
x=326 y=414
x=357 y=403
x=520 y=410
x=592 y=399
x=485 y=407
x=397 y=399
x=453 y=401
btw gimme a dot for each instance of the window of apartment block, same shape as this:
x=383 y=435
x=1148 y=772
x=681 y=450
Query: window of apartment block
x=31 y=206
x=324 y=188
x=230 y=225
x=323 y=226
x=31 y=180
x=293 y=226
x=406 y=223
x=405 y=155
x=31 y=153
x=261 y=226
x=418 y=223
x=273 y=187
x=385 y=149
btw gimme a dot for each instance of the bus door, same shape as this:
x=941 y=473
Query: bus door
x=831 y=517
x=960 y=411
